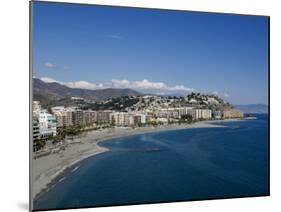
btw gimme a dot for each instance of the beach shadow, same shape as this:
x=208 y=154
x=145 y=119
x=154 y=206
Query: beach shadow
x=23 y=206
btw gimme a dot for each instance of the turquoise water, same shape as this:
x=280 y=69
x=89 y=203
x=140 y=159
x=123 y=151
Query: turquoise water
x=192 y=164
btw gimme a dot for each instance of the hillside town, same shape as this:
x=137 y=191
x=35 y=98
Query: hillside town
x=53 y=124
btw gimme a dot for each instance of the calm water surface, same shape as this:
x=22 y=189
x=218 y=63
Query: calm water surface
x=176 y=165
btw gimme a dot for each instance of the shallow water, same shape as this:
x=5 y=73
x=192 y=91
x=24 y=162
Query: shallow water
x=190 y=164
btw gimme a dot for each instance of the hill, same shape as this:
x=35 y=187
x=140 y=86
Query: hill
x=50 y=92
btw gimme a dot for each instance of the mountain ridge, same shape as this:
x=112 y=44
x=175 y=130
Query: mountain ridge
x=253 y=108
x=47 y=92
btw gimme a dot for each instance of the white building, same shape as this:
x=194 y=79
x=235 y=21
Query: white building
x=139 y=119
x=198 y=114
x=119 y=118
x=47 y=124
x=167 y=113
x=206 y=114
x=36 y=107
x=131 y=120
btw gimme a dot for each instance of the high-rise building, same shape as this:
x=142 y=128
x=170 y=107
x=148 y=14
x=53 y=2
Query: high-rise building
x=103 y=116
x=89 y=116
x=35 y=130
x=198 y=114
x=77 y=117
x=35 y=133
x=59 y=112
x=68 y=117
x=139 y=119
x=61 y=118
x=184 y=111
x=119 y=118
x=47 y=124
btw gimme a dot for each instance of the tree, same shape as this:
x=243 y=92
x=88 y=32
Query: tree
x=58 y=138
x=39 y=144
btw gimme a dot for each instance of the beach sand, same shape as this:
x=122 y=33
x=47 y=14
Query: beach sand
x=46 y=168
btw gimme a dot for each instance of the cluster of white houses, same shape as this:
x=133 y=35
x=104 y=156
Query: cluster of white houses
x=45 y=123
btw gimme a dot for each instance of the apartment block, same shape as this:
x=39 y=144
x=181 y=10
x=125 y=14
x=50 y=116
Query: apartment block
x=103 y=116
x=232 y=113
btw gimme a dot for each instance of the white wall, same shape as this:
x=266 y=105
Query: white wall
x=14 y=90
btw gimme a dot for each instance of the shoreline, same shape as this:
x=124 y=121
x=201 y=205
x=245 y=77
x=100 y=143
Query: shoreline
x=47 y=169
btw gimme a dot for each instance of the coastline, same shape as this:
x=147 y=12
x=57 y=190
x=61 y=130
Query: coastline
x=48 y=168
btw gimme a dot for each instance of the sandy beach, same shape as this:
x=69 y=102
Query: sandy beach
x=47 y=168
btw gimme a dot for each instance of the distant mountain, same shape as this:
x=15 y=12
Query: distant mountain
x=253 y=108
x=47 y=92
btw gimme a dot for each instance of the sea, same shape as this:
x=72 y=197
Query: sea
x=180 y=165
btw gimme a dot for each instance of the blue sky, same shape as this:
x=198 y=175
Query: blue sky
x=154 y=51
